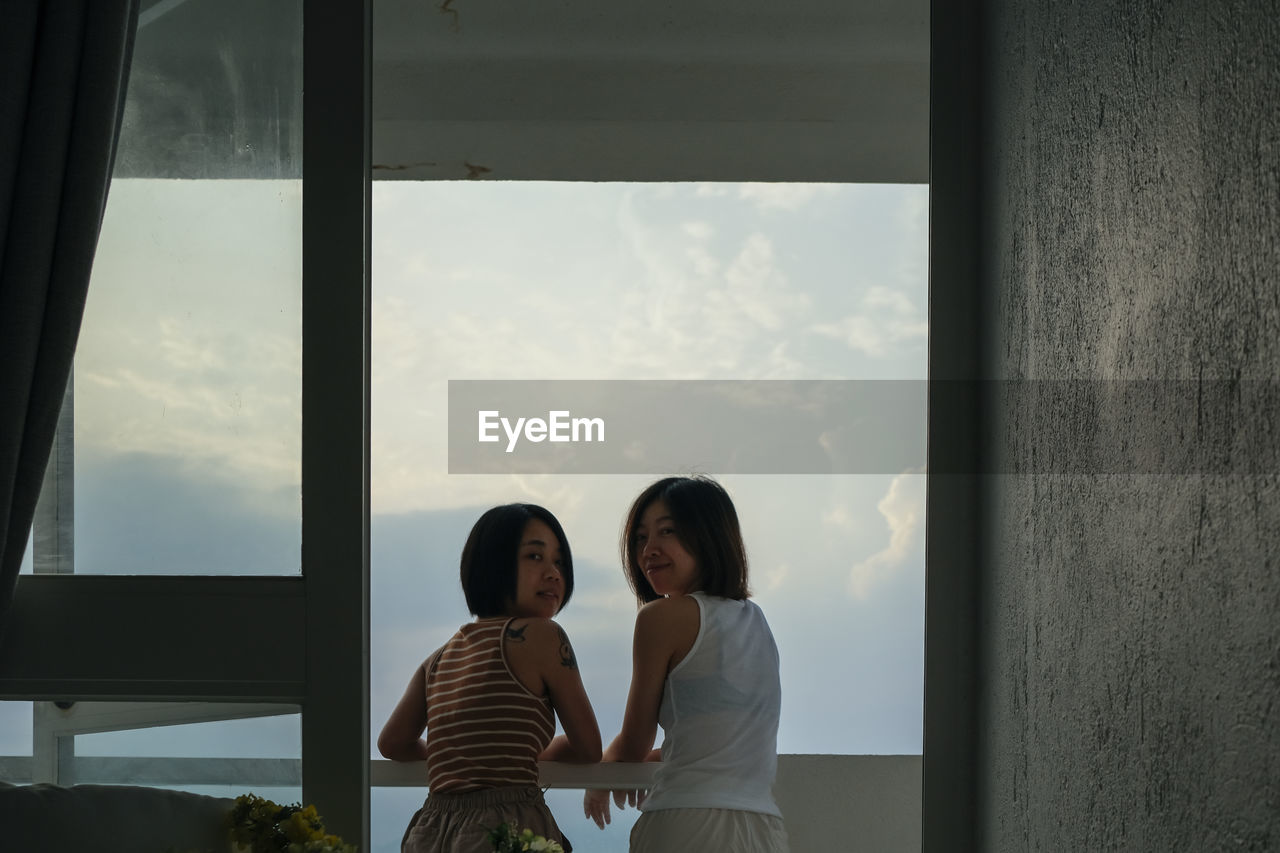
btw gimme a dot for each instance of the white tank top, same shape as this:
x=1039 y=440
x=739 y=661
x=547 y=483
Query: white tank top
x=719 y=714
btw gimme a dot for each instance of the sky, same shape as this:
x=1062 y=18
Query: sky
x=188 y=413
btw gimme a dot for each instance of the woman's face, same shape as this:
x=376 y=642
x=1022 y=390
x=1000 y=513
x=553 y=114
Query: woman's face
x=670 y=569
x=539 y=578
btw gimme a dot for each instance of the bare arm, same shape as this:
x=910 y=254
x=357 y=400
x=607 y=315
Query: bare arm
x=649 y=658
x=665 y=630
x=401 y=736
x=581 y=741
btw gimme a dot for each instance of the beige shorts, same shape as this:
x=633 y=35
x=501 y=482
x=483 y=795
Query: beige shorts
x=460 y=823
x=698 y=830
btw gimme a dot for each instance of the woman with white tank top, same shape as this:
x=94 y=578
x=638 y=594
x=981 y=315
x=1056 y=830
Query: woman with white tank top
x=705 y=668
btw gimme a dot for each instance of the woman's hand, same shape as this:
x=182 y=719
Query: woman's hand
x=629 y=798
x=595 y=805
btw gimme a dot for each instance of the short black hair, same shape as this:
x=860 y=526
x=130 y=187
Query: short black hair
x=706 y=524
x=489 y=559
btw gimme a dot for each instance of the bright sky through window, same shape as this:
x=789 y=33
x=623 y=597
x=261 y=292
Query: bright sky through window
x=490 y=280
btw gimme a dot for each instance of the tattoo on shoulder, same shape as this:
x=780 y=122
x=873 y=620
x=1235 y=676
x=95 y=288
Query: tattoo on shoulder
x=516 y=635
x=566 y=651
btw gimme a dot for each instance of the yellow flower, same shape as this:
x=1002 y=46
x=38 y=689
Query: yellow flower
x=258 y=824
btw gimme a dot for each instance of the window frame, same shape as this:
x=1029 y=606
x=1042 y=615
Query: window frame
x=64 y=639
x=282 y=640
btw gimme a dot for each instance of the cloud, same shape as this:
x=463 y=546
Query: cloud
x=775 y=577
x=191 y=341
x=886 y=319
x=148 y=514
x=712 y=190
x=758 y=288
x=903 y=508
x=838 y=516
x=893 y=301
x=783 y=197
x=698 y=229
x=702 y=308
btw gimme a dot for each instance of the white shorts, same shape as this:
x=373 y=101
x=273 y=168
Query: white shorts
x=699 y=830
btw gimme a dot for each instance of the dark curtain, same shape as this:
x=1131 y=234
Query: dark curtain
x=63 y=69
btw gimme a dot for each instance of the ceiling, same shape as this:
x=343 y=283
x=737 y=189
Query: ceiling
x=807 y=90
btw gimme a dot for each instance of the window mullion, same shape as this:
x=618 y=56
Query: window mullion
x=337 y=49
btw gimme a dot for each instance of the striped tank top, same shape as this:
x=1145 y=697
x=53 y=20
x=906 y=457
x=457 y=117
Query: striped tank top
x=484 y=728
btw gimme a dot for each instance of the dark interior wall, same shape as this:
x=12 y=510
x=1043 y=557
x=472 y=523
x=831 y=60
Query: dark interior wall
x=1131 y=618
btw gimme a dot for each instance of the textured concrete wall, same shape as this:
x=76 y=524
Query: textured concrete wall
x=1131 y=633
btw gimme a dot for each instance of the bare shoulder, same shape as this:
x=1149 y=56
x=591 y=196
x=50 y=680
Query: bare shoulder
x=542 y=638
x=532 y=631
x=667 y=628
x=669 y=612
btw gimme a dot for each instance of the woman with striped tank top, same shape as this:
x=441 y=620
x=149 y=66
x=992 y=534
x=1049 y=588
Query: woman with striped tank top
x=488 y=698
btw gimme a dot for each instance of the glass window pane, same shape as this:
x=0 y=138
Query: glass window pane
x=234 y=753
x=277 y=736
x=187 y=392
x=15 y=742
x=491 y=280
x=28 y=565
x=182 y=746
